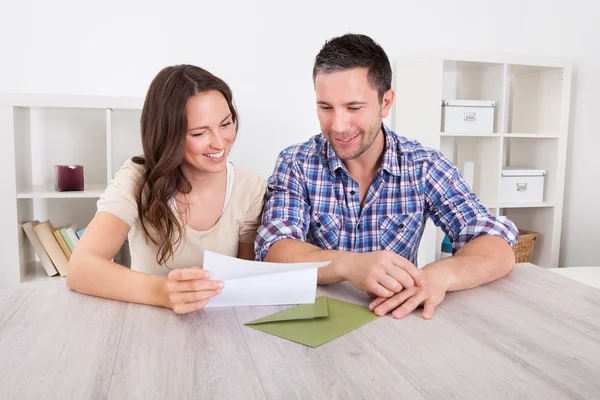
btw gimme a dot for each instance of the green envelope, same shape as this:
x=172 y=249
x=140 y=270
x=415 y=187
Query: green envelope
x=315 y=324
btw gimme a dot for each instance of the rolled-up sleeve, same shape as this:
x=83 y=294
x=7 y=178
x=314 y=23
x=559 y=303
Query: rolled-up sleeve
x=286 y=209
x=457 y=210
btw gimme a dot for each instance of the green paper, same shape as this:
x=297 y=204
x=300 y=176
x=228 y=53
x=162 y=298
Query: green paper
x=308 y=324
x=317 y=309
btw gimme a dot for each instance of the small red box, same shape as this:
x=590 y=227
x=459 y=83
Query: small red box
x=69 y=177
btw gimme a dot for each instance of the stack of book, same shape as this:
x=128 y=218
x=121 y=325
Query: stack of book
x=53 y=245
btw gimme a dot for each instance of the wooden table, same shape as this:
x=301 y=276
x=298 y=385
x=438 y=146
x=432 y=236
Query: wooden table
x=534 y=335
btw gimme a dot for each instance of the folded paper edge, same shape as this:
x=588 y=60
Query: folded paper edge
x=258 y=321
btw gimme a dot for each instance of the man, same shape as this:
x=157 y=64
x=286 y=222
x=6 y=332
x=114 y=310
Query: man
x=358 y=195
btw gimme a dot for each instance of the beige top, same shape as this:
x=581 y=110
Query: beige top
x=238 y=223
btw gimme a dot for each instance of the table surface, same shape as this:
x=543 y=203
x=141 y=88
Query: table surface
x=534 y=334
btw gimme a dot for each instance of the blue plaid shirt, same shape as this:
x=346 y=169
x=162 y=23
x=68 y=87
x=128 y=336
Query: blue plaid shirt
x=312 y=197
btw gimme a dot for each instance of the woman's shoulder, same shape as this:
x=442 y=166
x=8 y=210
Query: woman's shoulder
x=250 y=181
x=127 y=179
x=119 y=198
x=133 y=166
x=130 y=171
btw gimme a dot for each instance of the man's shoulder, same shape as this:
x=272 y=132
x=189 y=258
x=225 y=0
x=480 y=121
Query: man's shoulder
x=307 y=151
x=412 y=150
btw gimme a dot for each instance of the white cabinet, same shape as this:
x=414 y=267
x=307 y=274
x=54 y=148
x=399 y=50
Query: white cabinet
x=40 y=131
x=530 y=129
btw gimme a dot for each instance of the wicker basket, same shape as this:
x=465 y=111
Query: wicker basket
x=524 y=247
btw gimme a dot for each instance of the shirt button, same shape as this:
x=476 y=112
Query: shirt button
x=318 y=225
x=358 y=227
x=352 y=192
x=401 y=226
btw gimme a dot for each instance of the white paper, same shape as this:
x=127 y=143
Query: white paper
x=252 y=283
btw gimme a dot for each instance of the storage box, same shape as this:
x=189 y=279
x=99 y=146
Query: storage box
x=468 y=116
x=522 y=185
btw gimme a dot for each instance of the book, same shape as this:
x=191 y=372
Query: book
x=44 y=232
x=80 y=233
x=68 y=240
x=73 y=236
x=61 y=242
x=38 y=247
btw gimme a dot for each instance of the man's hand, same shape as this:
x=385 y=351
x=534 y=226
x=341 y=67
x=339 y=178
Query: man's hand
x=382 y=273
x=405 y=302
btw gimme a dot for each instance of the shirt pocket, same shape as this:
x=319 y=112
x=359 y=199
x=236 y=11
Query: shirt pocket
x=400 y=233
x=325 y=230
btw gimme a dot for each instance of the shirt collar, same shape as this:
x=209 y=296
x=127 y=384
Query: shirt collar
x=389 y=161
x=331 y=159
x=391 y=154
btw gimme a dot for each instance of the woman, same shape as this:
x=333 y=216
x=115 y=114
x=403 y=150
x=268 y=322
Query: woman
x=181 y=198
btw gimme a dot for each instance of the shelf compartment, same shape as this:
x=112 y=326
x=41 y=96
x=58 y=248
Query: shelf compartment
x=35 y=273
x=55 y=136
x=124 y=138
x=465 y=80
x=528 y=153
x=538 y=220
x=485 y=153
x=535 y=96
x=60 y=212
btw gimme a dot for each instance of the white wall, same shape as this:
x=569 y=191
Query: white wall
x=265 y=50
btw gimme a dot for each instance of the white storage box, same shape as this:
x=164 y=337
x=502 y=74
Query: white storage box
x=522 y=185
x=468 y=116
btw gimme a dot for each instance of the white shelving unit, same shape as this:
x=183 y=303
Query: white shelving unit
x=40 y=131
x=531 y=119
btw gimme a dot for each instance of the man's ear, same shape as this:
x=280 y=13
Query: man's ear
x=386 y=103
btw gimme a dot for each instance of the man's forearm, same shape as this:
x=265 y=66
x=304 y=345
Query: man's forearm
x=482 y=260
x=292 y=251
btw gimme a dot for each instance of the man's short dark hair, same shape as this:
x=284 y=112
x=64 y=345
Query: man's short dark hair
x=355 y=51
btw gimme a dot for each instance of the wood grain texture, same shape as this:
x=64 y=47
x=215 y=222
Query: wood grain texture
x=60 y=344
x=574 y=303
x=533 y=334
x=531 y=325
x=446 y=359
x=11 y=299
x=163 y=355
x=347 y=367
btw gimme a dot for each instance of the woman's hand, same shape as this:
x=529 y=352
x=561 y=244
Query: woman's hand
x=189 y=289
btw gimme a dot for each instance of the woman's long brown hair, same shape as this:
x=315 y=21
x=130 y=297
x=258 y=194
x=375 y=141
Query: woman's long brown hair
x=164 y=130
